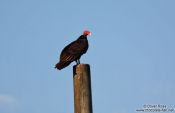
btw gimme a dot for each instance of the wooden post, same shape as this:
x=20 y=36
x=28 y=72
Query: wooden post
x=82 y=89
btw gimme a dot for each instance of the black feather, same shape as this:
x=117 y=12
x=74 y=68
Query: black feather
x=73 y=52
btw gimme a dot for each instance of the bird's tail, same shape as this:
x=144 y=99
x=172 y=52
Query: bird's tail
x=62 y=65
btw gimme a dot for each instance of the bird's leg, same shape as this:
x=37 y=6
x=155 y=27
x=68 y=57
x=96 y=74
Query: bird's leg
x=78 y=61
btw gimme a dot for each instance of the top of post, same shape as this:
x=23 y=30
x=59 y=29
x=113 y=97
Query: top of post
x=81 y=65
x=80 y=68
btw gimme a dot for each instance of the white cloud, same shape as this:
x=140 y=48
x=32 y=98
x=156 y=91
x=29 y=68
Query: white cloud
x=8 y=103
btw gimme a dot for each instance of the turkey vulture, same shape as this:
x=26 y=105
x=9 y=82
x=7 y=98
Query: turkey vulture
x=73 y=51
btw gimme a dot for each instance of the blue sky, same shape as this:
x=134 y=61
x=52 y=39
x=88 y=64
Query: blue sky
x=131 y=54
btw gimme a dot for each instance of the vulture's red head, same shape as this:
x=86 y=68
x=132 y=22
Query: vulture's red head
x=86 y=33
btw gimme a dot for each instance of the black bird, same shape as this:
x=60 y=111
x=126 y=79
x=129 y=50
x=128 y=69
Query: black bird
x=73 y=51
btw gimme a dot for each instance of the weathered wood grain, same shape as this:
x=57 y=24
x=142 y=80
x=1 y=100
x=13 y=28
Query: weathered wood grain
x=82 y=89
